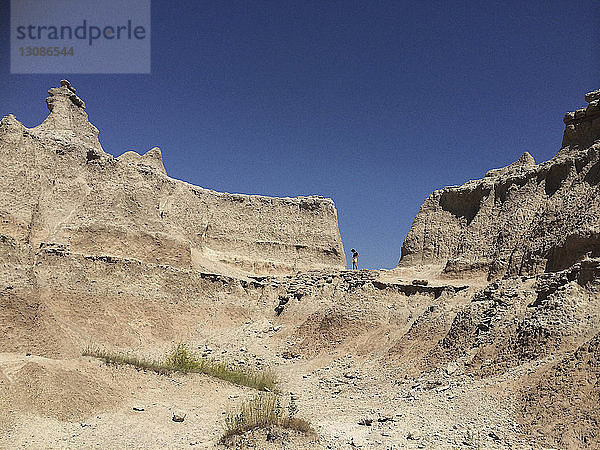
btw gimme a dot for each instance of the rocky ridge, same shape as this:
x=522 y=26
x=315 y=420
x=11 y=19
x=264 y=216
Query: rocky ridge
x=523 y=219
x=60 y=188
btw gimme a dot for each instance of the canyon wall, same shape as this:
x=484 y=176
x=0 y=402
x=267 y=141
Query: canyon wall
x=522 y=219
x=60 y=190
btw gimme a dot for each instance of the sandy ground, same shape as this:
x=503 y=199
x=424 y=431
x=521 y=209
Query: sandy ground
x=354 y=361
x=405 y=413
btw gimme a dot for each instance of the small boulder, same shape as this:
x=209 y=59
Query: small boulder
x=494 y=436
x=178 y=416
x=452 y=367
x=413 y=436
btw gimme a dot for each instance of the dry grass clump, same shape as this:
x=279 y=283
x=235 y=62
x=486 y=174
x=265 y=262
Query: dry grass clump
x=127 y=359
x=264 y=410
x=181 y=359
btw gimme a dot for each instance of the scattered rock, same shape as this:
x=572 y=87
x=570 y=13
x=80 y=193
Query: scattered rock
x=451 y=368
x=383 y=419
x=413 y=436
x=178 y=416
x=494 y=436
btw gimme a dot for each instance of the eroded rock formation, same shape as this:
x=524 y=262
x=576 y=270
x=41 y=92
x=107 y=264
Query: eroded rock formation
x=60 y=189
x=523 y=219
x=111 y=253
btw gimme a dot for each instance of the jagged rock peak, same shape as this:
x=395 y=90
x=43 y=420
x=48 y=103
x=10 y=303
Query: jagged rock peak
x=592 y=96
x=154 y=154
x=10 y=121
x=582 y=126
x=63 y=93
x=67 y=84
x=152 y=158
x=525 y=162
x=68 y=123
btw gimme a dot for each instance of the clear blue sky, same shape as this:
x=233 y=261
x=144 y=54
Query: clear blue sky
x=374 y=104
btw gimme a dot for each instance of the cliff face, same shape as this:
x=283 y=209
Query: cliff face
x=98 y=252
x=61 y=190
x=522 y=219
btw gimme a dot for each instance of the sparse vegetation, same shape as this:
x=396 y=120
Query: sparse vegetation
x=472 y=439
x=181 y=359
x=127 y=359
x=262 y=411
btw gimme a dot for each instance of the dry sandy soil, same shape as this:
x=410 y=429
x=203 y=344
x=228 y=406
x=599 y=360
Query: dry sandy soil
x=351 y=348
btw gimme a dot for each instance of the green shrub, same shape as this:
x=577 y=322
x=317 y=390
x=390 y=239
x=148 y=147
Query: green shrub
x=182 y=360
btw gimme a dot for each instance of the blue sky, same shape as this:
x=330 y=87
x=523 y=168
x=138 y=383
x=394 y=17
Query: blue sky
x=374 y=104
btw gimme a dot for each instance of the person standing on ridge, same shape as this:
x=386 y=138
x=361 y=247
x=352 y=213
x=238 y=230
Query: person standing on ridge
x=354 y=259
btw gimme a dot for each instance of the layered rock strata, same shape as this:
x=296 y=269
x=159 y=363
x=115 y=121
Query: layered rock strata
x=523 y=219
x=60 y=189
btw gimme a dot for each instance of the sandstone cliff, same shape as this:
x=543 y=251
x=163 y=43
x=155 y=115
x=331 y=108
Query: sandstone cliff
x=523 y=219
x=61 y=190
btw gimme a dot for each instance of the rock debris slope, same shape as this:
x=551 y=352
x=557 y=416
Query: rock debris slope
x=523 y=219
